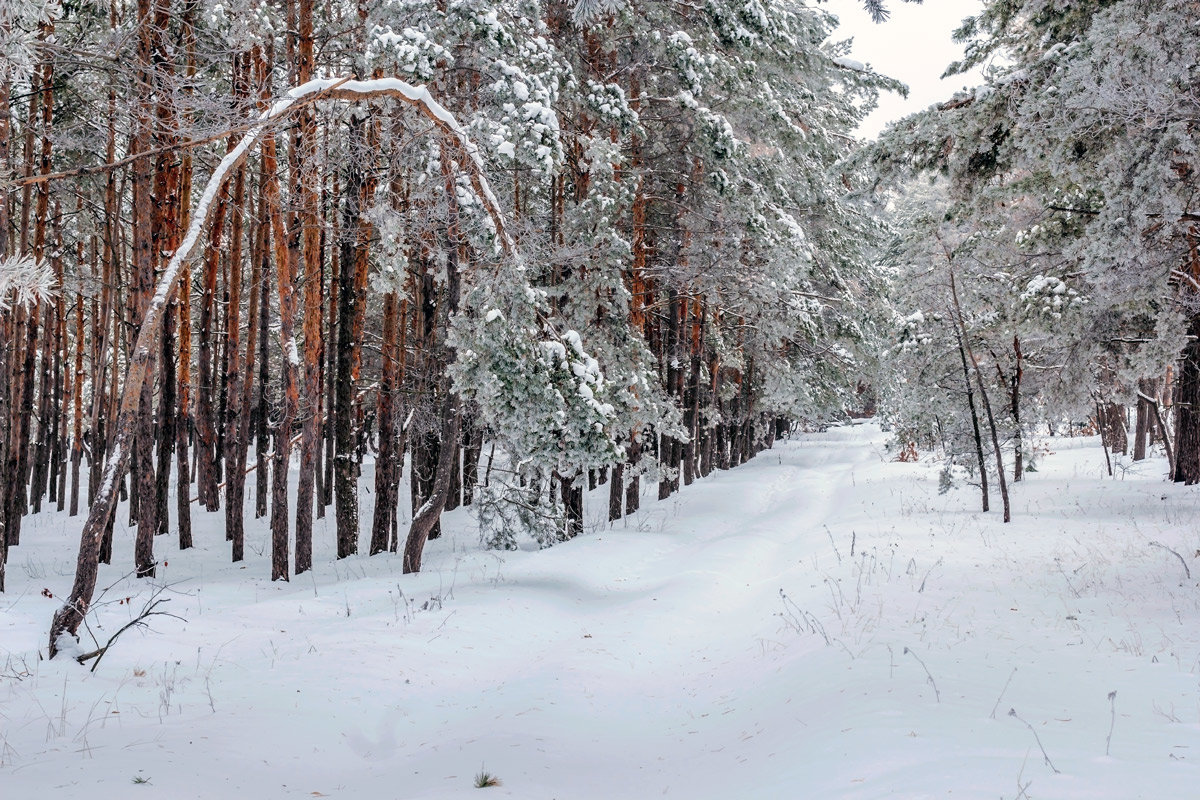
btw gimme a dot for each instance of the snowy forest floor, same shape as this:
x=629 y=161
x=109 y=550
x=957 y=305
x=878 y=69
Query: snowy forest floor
x=818 y=623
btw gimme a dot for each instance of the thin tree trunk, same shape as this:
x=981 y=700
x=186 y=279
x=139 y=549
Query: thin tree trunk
x=233 y=423
x=183 y=398
x=965 y=345
x=310 y=230
x=616 y=492
x=572 y=500
x=263 y=411
x=345 y=472
x=1144 y=418
x=144 y=479
x=1187 y=410
x=290 y=368
x=983 y=486
x=1015 y=407
x=331 y=361
x=6 y=330
x=1102 y=428
x=385 y=461
x=633 y=489
x=206 y=434
x=259 y=266
x=167 y=232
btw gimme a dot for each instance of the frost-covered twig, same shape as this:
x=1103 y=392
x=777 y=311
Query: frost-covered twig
x=1002 y=691
x=832 y=542
x=23 y=281
x=928 y=674
x=927 y=574
x=1187 y=572
x=1012 y=712
x=800 y=620
x=1112 y=701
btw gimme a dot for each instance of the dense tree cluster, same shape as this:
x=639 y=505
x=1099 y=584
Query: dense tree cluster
x=1049 y=267
x=517 y=248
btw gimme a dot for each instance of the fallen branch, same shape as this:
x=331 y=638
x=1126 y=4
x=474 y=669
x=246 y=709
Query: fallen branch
x=138 y=621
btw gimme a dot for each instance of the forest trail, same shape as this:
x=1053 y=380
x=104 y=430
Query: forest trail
x=661 y=659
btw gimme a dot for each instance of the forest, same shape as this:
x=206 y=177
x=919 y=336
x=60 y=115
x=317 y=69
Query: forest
x=520 y=250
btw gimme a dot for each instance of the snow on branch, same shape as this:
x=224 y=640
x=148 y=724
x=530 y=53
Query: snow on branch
x=24 y=281
x=420 y=97
x=588 y=11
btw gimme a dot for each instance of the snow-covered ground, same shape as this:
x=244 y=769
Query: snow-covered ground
x=818 y=623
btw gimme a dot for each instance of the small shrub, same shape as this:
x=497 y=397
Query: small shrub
x=484 y=779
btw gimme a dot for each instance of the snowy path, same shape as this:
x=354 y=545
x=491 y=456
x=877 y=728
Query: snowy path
x=657 y=659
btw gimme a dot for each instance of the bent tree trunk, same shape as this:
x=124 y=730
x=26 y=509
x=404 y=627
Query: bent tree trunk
x=430 y=512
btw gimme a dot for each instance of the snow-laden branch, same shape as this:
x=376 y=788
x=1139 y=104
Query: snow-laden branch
x=420 y=97
x=24 y=281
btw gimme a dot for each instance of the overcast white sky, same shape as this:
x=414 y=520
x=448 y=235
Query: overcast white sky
x=913 y=46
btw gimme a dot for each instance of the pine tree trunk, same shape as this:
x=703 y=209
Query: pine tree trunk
x=205 y=410
x=331 y=358
x=290 y=367
x=454 y=493
x=233 y=423
x=965 y=350
x=144 y=479
x=633 y=489
x=6 y=330
x=263 y=410
x=183 y=395
x=1144 y=420
x=1187 y=409
x=310 y=230
x=259 y=266
x=1015 y=409
x=167 y=233
x=183 y=400
x=572 y=500
x=349 y=302
x=385 y=462
x=616 y=492
x=473 y=447
x=1115 y=422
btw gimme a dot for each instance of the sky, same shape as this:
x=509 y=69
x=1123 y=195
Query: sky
x=913 y=46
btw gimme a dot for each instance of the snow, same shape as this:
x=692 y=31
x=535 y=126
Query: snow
x=850 y=64
x=110 y=477
x=817 y=623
